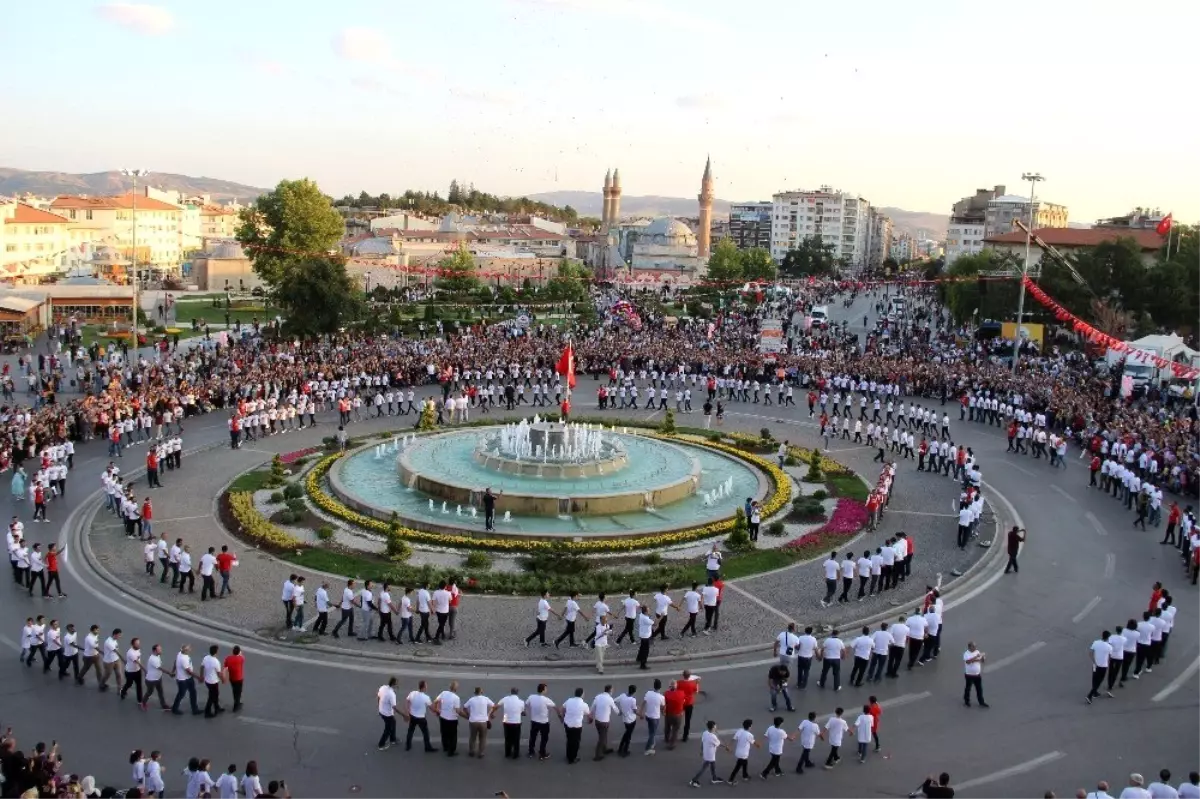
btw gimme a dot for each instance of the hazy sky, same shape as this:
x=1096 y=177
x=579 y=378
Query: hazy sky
x=912 y=104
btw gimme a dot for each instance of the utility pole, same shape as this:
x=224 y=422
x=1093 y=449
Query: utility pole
x=1034 y=178
x=134 y=174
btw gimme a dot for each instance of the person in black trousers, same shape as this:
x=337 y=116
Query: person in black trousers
x=1016 y=536
x=512 y=733
x=973 y=665
x=388 y=737
x=385 y=614
x=418 y=722
x=741 y=763
x=347 y=616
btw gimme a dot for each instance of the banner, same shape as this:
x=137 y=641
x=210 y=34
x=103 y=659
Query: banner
x=771 y=336
x=1030 y=331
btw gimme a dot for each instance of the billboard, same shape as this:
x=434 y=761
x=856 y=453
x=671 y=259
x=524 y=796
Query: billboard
x=770 y=337
x=1030 y=331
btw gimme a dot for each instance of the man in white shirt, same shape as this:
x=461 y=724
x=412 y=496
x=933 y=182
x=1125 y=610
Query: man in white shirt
x=831 y=655
x=387 y=711
x=832 y=569
x=208 y=583
x=289 y=607
x=645 y=630
x=785 y=645
x=538 y=706
x=574 y=712
x=1101 y=654
x=321 y=599
x=973 y=670
x=881 y=645
x=1162 y=789
x=1191 y=788
x=366 y=612
x=712 y=562
x=862 y=646
x=916 y=639
x=776 y=735
x=448 y=706
x=653 y=703
x=185 y=681
x=691 y=603
x=602 y=709
x=836 y=726
x=479 y=710
x=512 y=708
x=743 y=739
x=1136 y=789
x=600 y=640
x=627 y=706
x=416 y=706
x=133 y=670
x=806 y=649
x=709 y=743
x=111 y=658
x=710 y=594
x=810 y=731
x=864 y=726
x=441 y=609
x=349 y=600
x=153 y=677
x=542 y=615
x=214 y=676
x=899 y=633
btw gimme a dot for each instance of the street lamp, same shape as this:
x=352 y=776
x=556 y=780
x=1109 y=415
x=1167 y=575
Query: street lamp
x=1034 y=178
x=134 y=174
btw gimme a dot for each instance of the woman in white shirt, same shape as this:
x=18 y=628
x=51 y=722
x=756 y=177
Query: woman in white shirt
x=153 y=771
x=139 y=768
x=251 y=787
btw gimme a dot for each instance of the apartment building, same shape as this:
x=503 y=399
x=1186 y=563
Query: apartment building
x=904 y=247
x=33 y=242
x=842 y=220
x=965 y=233
x=750 y=225
x=1003 y=211
x=879 y=245
x=161 y=234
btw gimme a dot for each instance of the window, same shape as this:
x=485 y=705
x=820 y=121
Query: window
x=89 y=213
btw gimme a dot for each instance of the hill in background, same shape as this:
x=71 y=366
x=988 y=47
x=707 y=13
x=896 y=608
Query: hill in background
x=14 y=182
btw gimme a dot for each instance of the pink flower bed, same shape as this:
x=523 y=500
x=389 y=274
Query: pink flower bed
x=292 y=457
x=848 y=518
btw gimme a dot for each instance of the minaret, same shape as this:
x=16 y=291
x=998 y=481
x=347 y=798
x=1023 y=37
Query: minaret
x=703 y=236
x=607 y=200
x=614 y=214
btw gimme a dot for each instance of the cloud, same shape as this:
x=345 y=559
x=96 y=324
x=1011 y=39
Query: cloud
x=140 y=18
x=649 y=11
x=363 y=45
x=487 y=96
x=700 y=102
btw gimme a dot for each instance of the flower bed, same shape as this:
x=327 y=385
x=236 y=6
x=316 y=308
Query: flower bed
x=848 y=518
x=779 y=496
x=251 y=524
x=292 y=457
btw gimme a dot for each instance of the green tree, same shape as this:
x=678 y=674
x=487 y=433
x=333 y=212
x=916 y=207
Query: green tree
x=725 y=262
x=318 y=296
x=963 y=295
x=567 y=285
x=458 y=272
x=812 y=256
x=757 y=264
x=290 y=225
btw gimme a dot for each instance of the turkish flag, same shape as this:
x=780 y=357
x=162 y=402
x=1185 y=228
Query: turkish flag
x=566 y=365
x=1164 y=226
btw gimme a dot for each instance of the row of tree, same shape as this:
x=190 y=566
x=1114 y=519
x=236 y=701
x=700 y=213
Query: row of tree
x=1123 y=293
x=462 y=198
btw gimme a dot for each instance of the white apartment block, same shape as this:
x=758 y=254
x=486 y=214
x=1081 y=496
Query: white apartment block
x=1004 y=210
x=841 y=220
x=964 y=236
x=33 y=242
x=880 y=245
x=904 y=247
x=161 y=233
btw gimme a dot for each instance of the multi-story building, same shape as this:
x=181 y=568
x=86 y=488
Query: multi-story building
x=1137 y=219
x=750 y=225
x=1003 y=211
x=1073 y=240
x=879 y=245
x=904 y=247
x=964 y=234
x=842 y=221
x=109 y=220
x=33 y=242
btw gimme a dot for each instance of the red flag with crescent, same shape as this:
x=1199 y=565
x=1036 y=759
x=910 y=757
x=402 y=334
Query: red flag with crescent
x=566 y=365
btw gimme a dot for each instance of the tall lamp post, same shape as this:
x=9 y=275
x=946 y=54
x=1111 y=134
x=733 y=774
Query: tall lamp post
x=134 y=174
x=1034 y=178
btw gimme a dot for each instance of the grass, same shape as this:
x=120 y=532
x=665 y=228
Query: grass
x=251 y=481
x=340 y=562
x=186 y=311
x=847 y=485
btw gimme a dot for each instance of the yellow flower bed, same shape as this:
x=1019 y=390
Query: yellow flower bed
x=257 y=528
x=779 y=497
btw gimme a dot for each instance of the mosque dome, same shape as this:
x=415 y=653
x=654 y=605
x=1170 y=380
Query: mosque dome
x=376 y=246
x=668 y=231
x=228 y=250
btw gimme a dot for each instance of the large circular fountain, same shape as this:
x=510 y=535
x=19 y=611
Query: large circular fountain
x=548 y=478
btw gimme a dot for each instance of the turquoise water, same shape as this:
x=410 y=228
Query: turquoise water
x=651 y=464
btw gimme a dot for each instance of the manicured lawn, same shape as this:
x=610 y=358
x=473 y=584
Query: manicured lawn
x=339 y=562
x=848 y=485
x=251 y=481
x=186 y=311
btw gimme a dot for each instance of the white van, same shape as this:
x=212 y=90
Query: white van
x=820 y=316
x=898 y=305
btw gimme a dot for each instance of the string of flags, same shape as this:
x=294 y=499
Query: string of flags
x=1179 y=370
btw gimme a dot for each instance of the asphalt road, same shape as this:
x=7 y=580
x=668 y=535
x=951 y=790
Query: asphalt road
x=311 y=719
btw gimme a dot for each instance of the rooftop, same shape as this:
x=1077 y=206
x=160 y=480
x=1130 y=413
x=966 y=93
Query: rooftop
x=1082 y=237
x=28 y=215
x=119 y=202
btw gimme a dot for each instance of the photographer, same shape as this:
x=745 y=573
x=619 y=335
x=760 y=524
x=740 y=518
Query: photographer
x=934 y=788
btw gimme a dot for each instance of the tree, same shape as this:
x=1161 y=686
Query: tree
x=757 y=264
x=290 y=225
x=966 y=298
x=568 y=284
x=725 y=262
x=458 y=272
x=318 y=296
x=812 y=256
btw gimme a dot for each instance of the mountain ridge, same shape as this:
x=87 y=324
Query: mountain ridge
x=16 y=182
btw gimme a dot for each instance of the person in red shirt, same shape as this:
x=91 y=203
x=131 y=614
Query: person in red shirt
x=673 y=711
x=152 y=468
x=566 y=409
x=1155 y=596
x=876 y=711
x=455 y=597
x=1094 y=468
x=689 y=685
x=235 y=670
x=225 y=562
x=1173 y=516
x=718 y=584
x=52 y=582
x=39 y=504
x=147 y=518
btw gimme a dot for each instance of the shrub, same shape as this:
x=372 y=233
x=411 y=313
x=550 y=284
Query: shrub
x=253 y=526
x=807 y=509
x=775 y=529
x=300 y=461
x=293 y=491
x=652 y=559
x=790 y=460
x=739 y=539
x=277 y=467
x=478 y=560
x=556 y=561
x=714 y=438
x=398 y=550
x=765 y=434
x=325 y=532
x=272 y=482
x=814 y=475
x=277 y=497
x=428 y=418
x=296 y=505
x=820 y=494
x=667 y=428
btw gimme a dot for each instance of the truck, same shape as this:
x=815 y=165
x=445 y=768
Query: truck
x=1143 y=371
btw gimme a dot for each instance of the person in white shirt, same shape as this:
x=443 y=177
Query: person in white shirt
x=448 y=706
x=836 y=726
x=185 y=681
x=111 y=658
x=227 y=783
x=538 y=706
x=133 y=670
x=645 y=629
x=321 y=600
x=289 y=607
x=861 y=646
x=743 y=739
x=366 y=611
x=1101 y=654
x=602 y=709
x=1162 y=789
x=600 y=640
x=208 y=583
x=653 y=704
x=973 y=670
x=712 y=562
x=479 y=710
x=863 y=727
x=416 y=706
x=349 y=601
x=512 y=708
x=627 y=706
x=710 y=594
x=153 y=678
x=899 y=633
x=832 y=649
x=916 y=639
x=210 y=669
x=571 y=611
x=1136 y=789
x=387 y=711
x=776 y=735
x=441 y=609
x=1191 y=788
x=574 y=712
x=806 y=649
x=691 y=603
x=809 y=732
x=709 y=743
x=832 y=569
x=542 y=615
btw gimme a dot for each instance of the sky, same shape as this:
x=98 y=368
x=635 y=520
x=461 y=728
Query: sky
x=912 y=104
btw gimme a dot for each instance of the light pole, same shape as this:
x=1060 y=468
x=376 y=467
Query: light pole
x=134 y=174
x=1034 y=178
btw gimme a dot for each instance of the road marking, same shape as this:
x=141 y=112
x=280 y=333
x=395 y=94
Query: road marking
x=1015 y=656
x=1110 y=565
x=1088 y=608
x=1091 y=517
x=762 y=604
x=1065 y=494
x=1021 y=469
x=1012 y=771
x=1178 y=682
x=283 y=725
